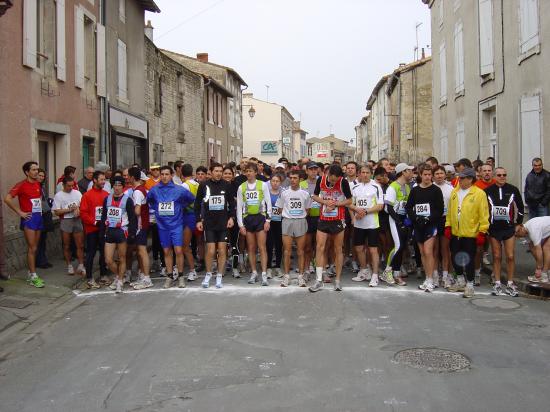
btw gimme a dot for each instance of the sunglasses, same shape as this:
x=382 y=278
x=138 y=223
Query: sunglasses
x=501 y=175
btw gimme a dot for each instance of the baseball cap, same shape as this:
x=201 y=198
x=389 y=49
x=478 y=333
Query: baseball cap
x=282 y=166
x=154 y=166
x=468 y=172
x=143 y=176
x=401 y=167
x=449 y=169
x=311 y=165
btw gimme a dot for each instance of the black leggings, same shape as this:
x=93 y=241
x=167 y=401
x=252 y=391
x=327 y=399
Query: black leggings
x=234 y=240
x=275 y=239
x=157 y=248
x=463 y=253
x=400 y=239
x=95 y=242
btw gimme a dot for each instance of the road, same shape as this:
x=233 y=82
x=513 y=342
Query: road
x=248 y=348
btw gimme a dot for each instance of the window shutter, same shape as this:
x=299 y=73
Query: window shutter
x=460 y=142
x=444 y=151
x=122 y=71
x=29 y=33
x=530 y=113
x=459 y=58
x=443 y=72
x=486 y=37
x=529 y=24
x=79 y=47
x=60 y=46
x=101 y=86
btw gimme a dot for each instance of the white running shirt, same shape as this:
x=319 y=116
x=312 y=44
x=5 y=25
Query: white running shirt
x=365 y=196
x=294 y=203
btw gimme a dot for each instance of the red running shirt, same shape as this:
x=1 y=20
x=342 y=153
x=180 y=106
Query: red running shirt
x=25 y=191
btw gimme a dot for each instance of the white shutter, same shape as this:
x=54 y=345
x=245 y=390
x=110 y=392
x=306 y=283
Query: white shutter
x=529 y=24
x=531 y=139
x=486 y=37
x=444 y=150
x=460 y=141
x=29 y=33
x=459 y=58
x=122 y=71
x=443 y=72
x=100 y=61
x=60 y=46
x=78 y=47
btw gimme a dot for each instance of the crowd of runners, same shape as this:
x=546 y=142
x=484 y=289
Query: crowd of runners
x=300 y=223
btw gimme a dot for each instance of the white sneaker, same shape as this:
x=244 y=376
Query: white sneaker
x=447 y=281
x=253 y=277
x=236 y=273
x=265 y=282
x=168 y=283
x=301 y=281
x=374 y=281
x=387 y=276
x=191 y=276
x=181 y=282
x=81 y=270
x=285 y=281
x=144 y=283
x=279 y=272
x=543 y=278
x=361 y=276
x=70 y=270
x=163 y=271
x=269 y=274
x=118 y=286
x=426 y=286
x=206 y=282
x=141 y=277
x=219 y=283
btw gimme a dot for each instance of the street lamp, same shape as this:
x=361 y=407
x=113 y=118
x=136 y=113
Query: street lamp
x=251 y=111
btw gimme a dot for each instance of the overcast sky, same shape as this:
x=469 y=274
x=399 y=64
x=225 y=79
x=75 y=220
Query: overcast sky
x=321 y=58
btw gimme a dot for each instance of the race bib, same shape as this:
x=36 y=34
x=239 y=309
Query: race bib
x=330 y=213
x=295 y=208
x=36 y=205
x=400 y=208
x=216 y=203
x=275 y=214
x=501 y=213
x=252 y=198
x=114 y=215
x=166 y=208
x=98 y=213
x=422 y=209
x=315 y=205
x=363 y=202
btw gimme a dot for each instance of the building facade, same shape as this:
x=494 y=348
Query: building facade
x=300 y=137
x=378 y=106
x=489 y=86
x=329 y=149
x=362 y=138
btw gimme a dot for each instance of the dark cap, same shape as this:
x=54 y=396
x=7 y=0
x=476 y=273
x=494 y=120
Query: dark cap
x=118 y=179
x=468 y=172
x=311 y=165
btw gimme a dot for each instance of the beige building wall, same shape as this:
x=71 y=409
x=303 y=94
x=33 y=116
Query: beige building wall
x=500 y=111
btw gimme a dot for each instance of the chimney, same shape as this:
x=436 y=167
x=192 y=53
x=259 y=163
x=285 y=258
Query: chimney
x=423 y=53
x=149 y=30
x=202 y=57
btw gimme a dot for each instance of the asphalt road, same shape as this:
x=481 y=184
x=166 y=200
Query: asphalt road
x=248 y=348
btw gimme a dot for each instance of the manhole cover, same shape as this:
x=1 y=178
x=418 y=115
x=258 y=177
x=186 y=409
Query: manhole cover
x=432 y=359
x=495 y=303
x=14 y=303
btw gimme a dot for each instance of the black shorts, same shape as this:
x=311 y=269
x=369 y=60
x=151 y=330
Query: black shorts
x=254 y=223
x=115 y=235
x=216 y=236
x=502 y=234
x=312 y=223
x=441 y=226
x=360 y=236
x=140 y=239
x=421 y=234
x=331 y=227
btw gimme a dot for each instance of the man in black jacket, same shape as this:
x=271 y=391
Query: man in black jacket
x=537 y=190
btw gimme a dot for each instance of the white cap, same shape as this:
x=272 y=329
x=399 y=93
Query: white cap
x=281 y=165
x=450 y=169
x=143 y=176
x=401 y=167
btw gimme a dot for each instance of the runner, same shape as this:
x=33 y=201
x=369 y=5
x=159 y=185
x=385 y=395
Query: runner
x=395 y=200
x=274 y=238
x=189 y=222
x=442 y=243
x=425 y=208
x=381 y=177
x=333 y=193
x=294 y=204
x=91 y=210
x=312 y=171
x=506 y=213
x=158 y=254
x=30 y=211
x=466 y=227
x=214 y=216
x=538 y=231
x=254 y=218
x=351 y=169
x=368 y=201
x=486 y=180
x=168 y=201
x=66 y=205
x=229 y=176
x=119 y=221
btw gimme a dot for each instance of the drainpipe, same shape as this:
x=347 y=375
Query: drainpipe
x=3 y=270
x=103 y=101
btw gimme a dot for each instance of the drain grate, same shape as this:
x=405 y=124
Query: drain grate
x=495 y=303
x=14 y=303
x=432 y=359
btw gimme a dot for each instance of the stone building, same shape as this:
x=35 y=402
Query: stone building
x=361 y=137
x=378 y=106
x=489 y=81
x=328 y=149
x=299 y=140
x=173 y=109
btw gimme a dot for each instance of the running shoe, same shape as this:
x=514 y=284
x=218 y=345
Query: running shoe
x=81 y=270
x=92 y=284
x=398 y=280
x=253 y=277
x=113 y=284
x=301 y=281
x=128 y=277
x=374 y=281
x=168 y=282
x=337 y=286
x=477 y=280
x=426 y=286
x=191 y=276
x=219 y=283
x=497 y=290
x=331 y=271
x=163 y=271
x=105 y=280
x=285 y=281
x=140 y=278
x=423 y=285
x=118 y=286
x=447 y=282
x=542 y=279
x=468 y=291
x=206 y=282
x=361 y=276
x=387 y=276
x=512 y=290
x=36 y=281
x=279 y=272
x=316 y=287
x=236 y=273
x=181 y=282
x=269 y=274
x=70 y=270
x=265 y=282
x=457 y=287
x=354 y=267
x=145 y=283
x=486 y=260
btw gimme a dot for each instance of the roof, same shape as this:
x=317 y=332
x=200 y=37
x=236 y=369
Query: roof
x=217 y=85
x=403 y=69
x=149 y=5
x=375 y=91
x=229 y=69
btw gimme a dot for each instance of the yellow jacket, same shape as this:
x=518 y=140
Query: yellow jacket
x=474 y=213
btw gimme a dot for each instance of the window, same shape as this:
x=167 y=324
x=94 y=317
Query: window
x=158 y=93
x=460 y=143
x=443 y=74
x=485 y=37
x=122 y=72
x=90 y=55
x=122 y=10
x=531 y=133
x=44 y=35
x=459 y=58
x=181 y=130
x=218 y=151
x=210 y=102
x=220 y=110
x=232 y=116
x=181 y=83
x=529 y=25
x=444 y=150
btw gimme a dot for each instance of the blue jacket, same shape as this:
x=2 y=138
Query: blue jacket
x=168 y=201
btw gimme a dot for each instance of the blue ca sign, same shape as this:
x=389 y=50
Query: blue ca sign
x=269 y=147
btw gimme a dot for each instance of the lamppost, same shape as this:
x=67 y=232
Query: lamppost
x=251 y=111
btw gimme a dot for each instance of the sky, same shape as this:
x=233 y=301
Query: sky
x=320 y=58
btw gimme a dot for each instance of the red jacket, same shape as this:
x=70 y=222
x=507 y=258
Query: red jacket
x=91 y=200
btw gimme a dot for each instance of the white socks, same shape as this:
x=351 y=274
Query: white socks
x=319 y=273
